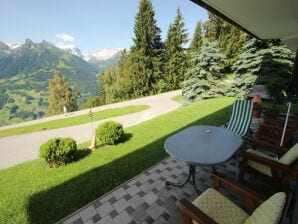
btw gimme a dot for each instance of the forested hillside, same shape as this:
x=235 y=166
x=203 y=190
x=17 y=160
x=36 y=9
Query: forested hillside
x=24 y=75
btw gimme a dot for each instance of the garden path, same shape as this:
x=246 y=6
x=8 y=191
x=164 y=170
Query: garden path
x=20 y=148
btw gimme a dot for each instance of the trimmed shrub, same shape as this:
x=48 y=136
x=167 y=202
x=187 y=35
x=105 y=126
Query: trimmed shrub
x=110 y=133
x=58 y=151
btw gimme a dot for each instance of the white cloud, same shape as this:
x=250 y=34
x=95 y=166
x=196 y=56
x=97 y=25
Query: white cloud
x=65 y=37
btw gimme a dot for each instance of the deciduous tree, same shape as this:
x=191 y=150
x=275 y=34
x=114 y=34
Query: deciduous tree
x=61 y=94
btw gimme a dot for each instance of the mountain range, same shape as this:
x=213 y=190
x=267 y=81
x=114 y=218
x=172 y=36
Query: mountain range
x=26 y=68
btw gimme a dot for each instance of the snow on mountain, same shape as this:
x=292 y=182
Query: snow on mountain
x=102 y=54
x=71 y=48
x=14 y=46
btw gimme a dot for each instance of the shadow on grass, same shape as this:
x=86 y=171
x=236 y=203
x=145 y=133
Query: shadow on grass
x=125 y=138
x=51 y=205
x=81 y=154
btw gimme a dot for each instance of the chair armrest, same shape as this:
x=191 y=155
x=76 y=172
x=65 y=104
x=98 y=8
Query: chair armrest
x=279 y=150
x=194 y=213
x=252 y=199
x=267 y=162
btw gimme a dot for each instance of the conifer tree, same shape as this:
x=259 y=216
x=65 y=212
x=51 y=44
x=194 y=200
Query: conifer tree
x=262 y=62
x=144 y=64
x=213 y=27
x=230 y=38
x=176 y=59
x=197 y=40
x=61 y=94
x=203 y=79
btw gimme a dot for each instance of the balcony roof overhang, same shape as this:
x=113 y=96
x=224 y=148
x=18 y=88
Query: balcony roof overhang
x=265 y=19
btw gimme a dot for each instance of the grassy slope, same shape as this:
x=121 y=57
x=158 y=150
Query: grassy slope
x=33 y=193
x=71 y=121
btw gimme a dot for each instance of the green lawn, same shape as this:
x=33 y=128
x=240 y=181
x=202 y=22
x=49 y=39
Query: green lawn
x=33 y=193
x=71 y=121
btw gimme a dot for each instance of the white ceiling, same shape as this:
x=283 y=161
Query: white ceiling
x=266 y=19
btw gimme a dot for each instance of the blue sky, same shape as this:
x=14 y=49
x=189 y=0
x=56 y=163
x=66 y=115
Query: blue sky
x=88 y=24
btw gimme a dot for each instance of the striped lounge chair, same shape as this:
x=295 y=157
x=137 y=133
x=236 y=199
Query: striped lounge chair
x=241 y=118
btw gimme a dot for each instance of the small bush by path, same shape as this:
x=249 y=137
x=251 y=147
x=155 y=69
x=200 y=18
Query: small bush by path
x=177 y=98
x=33 y=193
x=72 y=121
x=110 y=133
x=58 y=151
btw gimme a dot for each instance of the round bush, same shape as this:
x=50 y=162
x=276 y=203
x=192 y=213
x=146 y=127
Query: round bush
x=58 y=151
x=110 y=133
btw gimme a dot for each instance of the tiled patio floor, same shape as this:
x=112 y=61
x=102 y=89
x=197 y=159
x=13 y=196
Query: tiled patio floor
x=145 y=199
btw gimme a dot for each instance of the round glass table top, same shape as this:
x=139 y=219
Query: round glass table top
x=203 y=145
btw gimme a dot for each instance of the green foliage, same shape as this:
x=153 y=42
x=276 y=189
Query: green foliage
x=276 y=89
x=203 y=78
x=176 y=60
x=58 y=151
x=147 y=34
x=261 y=62
x=61 y=95
x=161 y=86
x=3 y=99
x=112 y=86
x=92 y=102
x=197 y=39
x=241 y=86
x=230 y=38
x=145 y=62
x=110 y=133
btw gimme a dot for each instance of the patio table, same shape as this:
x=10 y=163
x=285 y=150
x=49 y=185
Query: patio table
x=202 y=145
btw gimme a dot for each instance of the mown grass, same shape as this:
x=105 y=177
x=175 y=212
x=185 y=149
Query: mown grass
x=71 y=121
x=33 y=193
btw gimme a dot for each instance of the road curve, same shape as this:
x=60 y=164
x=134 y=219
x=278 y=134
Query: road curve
x=20 y=148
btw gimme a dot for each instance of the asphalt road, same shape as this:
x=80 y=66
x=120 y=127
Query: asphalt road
x=20 y=148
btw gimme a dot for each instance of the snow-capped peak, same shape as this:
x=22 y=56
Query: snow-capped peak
x=102 y=54
x=71 y=48
x=14 y=46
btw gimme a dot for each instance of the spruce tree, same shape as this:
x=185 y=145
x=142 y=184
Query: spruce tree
x=213 y=27
x=61 y=94
x=144 y=64
x=230 y=38
x=262 y=62
x=176 y=59
x=203 y=80
x=197 y=40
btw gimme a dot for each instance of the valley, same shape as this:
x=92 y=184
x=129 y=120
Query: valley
x=26 y=68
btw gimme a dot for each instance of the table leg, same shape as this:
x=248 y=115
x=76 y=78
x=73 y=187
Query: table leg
x=191 y=173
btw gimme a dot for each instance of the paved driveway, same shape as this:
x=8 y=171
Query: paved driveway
x=19 y=148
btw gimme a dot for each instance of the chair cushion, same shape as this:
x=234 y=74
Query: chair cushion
x=270 y=211
x=290 y=156
x=219 y=208
x=258 y=166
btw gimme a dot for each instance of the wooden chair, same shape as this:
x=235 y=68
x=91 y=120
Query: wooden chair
x=269 y=135
x=212 y=207
x=277 y=172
